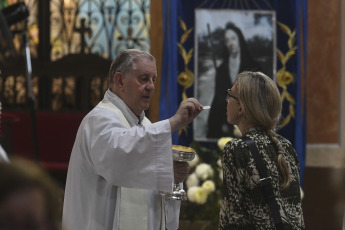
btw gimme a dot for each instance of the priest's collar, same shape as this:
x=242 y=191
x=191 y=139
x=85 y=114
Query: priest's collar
x=127 y=112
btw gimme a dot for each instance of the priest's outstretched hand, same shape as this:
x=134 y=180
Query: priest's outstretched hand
x=187 y=111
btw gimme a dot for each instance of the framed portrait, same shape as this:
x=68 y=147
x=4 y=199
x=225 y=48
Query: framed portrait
x=228 y=42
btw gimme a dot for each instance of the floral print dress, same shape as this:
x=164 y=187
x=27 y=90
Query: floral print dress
x=243 y=203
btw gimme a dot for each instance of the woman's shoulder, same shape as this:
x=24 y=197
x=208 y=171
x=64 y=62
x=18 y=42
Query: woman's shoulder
x=235 y=143
x=237 y=150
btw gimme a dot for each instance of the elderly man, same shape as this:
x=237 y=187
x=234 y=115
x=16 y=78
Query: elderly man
x=120 y=161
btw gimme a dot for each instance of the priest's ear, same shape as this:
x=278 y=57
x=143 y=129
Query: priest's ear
x=118 y=80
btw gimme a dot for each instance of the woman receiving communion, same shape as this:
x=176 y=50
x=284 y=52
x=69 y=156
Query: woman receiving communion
x=254 y=105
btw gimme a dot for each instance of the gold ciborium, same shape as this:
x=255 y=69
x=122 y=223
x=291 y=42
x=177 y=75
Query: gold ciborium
x=180 y=153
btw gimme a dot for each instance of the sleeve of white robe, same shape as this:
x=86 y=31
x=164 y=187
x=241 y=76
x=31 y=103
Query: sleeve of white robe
x=137 y=157
x=154 y=142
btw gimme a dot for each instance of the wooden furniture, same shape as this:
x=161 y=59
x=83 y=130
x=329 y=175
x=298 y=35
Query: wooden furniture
x=56 y=126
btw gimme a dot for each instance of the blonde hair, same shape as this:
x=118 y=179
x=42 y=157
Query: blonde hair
x=261 y=103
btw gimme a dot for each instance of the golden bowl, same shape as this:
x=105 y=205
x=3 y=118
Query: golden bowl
x=182 y=153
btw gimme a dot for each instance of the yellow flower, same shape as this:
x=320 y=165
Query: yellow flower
x=208 y=186
x=200 y=196
x=222 y=142
x=186 y=79
x=191 y=193
x=284 y=78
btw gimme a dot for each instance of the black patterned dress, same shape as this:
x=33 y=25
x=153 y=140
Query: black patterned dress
x=243 y=204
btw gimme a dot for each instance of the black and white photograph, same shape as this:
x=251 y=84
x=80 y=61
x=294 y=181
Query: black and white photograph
x=228 y=42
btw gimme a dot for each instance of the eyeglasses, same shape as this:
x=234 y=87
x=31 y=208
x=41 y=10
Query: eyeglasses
x=229 y=95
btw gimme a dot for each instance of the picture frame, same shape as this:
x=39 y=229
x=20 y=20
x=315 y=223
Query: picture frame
x=216 y=69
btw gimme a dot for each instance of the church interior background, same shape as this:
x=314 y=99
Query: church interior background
x=72 y=44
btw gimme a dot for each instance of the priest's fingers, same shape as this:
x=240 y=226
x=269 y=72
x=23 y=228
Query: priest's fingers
x=188 y=110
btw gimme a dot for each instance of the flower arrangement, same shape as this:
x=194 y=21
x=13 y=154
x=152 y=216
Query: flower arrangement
x=200 y=184
x=204 y=184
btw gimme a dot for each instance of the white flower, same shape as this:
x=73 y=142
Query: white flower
x=237 y=131
x=219 y=162
x=208 y=186
x=200 y=196
x=194 y=162
x=192 y=180
x=197 y=195
x=221 y=175
x=191 y=193
x=222 y=142
x=204 y=171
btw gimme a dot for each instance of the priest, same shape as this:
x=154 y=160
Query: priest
x=121 y=162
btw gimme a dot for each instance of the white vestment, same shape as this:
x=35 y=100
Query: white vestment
x=107 y=156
